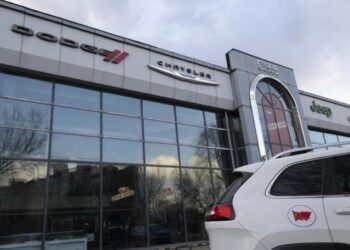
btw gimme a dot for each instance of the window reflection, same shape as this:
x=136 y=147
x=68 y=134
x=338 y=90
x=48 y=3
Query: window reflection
x=25 y=88
x=194 y=156
x=221 y=180
x=121 y=151
x=73 y=204
x=197 y=198
x=158 y=111
x=160 y=131
x=165 y=207
x=22 y=191
x=121 y=104
x=161 y=154
x=124 y=207
x=76 y=121
x=77 y=97
x=214 y=119
x=220 y=158
x=71 y=147
x=217 y=138
x=24 y=114
x=122 y=127
x=189 y=116
x=23 y=143
x=316 y=137
x=330 y=138
x=192 y=135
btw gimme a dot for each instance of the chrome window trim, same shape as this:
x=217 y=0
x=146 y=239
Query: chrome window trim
x=255 y=111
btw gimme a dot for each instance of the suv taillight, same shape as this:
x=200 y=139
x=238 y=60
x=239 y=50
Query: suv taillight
x=220 y=213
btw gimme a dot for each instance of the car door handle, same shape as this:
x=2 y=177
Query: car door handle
x=343 y=211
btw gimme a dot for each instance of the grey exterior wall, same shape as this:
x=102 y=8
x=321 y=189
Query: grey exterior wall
x=131 y=75
x=338 y=121
x=243 y=69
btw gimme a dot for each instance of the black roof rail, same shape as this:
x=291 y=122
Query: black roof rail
x=303 y=150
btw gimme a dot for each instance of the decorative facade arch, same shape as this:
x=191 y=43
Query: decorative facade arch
x=276 y=116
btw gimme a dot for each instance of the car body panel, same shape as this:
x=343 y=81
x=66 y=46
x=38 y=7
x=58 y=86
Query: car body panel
x=264 y=221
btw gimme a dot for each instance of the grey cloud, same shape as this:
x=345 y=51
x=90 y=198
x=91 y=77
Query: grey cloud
x=309 y=36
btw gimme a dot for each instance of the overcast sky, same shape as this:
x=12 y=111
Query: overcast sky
x=310 y=36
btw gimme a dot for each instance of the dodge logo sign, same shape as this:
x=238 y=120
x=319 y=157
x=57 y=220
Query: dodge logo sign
x=110 y=56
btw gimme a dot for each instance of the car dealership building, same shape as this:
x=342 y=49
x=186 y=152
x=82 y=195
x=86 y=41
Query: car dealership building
x=109 y=143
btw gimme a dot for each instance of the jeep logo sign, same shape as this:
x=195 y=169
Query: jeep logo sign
x=320 y=109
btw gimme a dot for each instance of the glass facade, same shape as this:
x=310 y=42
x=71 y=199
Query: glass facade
x=319 y=137
x=81 y=166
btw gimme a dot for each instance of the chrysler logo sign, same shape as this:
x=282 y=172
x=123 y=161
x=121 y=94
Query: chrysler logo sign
x=115 y=56
x=183 y=74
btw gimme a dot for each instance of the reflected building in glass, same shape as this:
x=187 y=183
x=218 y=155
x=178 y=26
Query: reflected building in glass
x=108 y=143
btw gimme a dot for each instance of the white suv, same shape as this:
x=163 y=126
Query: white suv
x=298 y=200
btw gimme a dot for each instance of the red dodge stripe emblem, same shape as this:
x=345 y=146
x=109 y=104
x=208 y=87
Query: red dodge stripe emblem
x=115 y=56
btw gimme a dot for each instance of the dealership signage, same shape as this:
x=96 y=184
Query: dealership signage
x=123 y=193
x=320 y=109
x=115 y=56
x=182 y=73
x=267 y=67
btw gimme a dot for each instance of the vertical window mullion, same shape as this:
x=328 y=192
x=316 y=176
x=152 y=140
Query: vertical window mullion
x=101 y=175
x=148 y=236
x=47 y=183
x=180 y=170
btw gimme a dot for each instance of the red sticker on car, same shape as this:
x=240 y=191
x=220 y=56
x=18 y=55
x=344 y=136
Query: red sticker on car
x=303 y=215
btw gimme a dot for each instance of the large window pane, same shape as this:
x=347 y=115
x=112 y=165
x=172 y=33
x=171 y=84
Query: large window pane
x=263 y=123
x=192 y=135
x=23 y=143
x=220 y=159
x=122 y=127
x=291 y=129
x=217 y=138
x=123 y=207
x=161 y=154
x=22 y=192
x=122 y=151
x=77 y=97
x=194 y=156
x=189 y=116
x=159 y=111
x=25 y=88
x=214 y=119
x=330 y=138
x=24 y=114
x=197 y=197
x=160 y=131
x=165 y=206
x=73 y=205
x=121 y=104
x=73 y=147
x=316 y=137
x=76 y=121
x=343 y=138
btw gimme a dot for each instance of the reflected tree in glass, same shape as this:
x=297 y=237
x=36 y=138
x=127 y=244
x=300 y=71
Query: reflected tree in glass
x=22 y=143
x=22 y=197
x=197 y=196
x=165 y=206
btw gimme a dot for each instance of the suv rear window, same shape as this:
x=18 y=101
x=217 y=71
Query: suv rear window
x=239 y=178
x=300 y=180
